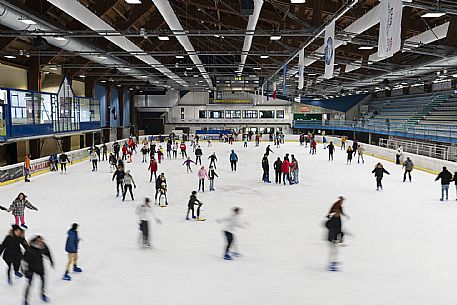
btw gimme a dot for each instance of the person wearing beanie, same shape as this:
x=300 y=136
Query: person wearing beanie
x=12 y=253
x=33 y=258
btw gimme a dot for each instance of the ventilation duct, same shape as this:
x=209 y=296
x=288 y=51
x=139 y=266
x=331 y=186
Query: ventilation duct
x=10 y=15
x=92 y=21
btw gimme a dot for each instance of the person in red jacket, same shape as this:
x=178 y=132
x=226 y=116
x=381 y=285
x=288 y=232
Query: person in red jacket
x=313 y=147
x=124 y=152
x=183 y=148
x=285 y=168
x=153 y=167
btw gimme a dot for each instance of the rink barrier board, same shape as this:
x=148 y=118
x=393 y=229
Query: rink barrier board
x=14 y=173
x=423 y=163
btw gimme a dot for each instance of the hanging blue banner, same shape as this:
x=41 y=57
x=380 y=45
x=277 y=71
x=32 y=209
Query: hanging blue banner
x=284 y=73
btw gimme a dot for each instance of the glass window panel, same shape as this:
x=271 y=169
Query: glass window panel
x=21 y=107
x=280 y=114
x=266 y=114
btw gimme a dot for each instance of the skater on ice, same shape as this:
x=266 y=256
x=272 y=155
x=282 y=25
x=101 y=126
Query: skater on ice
x=379 y=172
x=128 y=182
x=408 y=165
x=17 y=208
x=233 y=160
x=34 y=265
x=202 y=174
x=335 y=233
x=145 y=213
x=446 y=177
x=211 y=176
x=71 y=247
x=231 y=225
x=12 y=252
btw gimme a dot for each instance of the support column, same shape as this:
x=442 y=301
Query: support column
x=121 y=91
x=108 y=106
x=89 y=87
x=34 y=74
x=133 y=113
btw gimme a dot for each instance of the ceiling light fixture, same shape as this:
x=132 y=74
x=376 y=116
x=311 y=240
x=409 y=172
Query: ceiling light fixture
x=133 y=1
x=275 y=37
x=297 y=1
x=179 y=56
x=189 y=68
x=126 y=69
x=82 y=76
x=10 y=56
x=144 y=76
x=102 y=57
x=264 y=56
x=433 y=15
x=163 y=38
x=27 y=21
x=366 y=48
x=257 y=68
x=53 y=68
x=103 y=81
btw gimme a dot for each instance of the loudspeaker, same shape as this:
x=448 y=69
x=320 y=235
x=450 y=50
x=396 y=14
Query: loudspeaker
x=247 y=7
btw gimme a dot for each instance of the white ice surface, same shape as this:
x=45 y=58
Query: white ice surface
x=401 y=250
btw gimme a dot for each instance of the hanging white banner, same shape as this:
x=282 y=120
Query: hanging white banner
x=329 y=44
x=390 y=17
x=301 y=68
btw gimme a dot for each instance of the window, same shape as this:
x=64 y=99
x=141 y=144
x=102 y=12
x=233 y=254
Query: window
x=216 y=114
x=182 y=113
x=202 y=114
x=21 y=107
x=42 y=108
x=233 y=114
x=85 y=111
x=280 y=114
x=250 y=114
x=266 y=114
x=95 y=110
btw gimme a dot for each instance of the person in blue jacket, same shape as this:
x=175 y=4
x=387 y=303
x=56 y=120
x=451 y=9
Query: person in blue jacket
x=233 y=160
x=71 y=247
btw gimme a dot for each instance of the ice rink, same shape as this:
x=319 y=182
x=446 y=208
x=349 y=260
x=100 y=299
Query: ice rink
x=401 y=250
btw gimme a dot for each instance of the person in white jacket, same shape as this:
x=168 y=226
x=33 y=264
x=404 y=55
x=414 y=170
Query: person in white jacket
x=231 y=224
x=145 y=213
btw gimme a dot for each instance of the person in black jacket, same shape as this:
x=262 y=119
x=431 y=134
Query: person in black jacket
x=212 y=160
x=335 y=232
x=116 y=149
x=266 y=169
x=119 y=174
x=331 y=150
x=268 y=151
x=446 y=178
x=11 y=249
x=161 y=179
x=191 y=204
x=453 y=179
x=278 y=168
x=379 y=172
x=211 y=175
x=33 y=258
x=198 y=155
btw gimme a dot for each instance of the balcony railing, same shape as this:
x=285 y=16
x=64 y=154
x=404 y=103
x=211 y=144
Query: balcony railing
x=432 y=132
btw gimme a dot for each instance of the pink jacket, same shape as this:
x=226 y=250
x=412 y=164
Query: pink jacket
x=202 y=173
